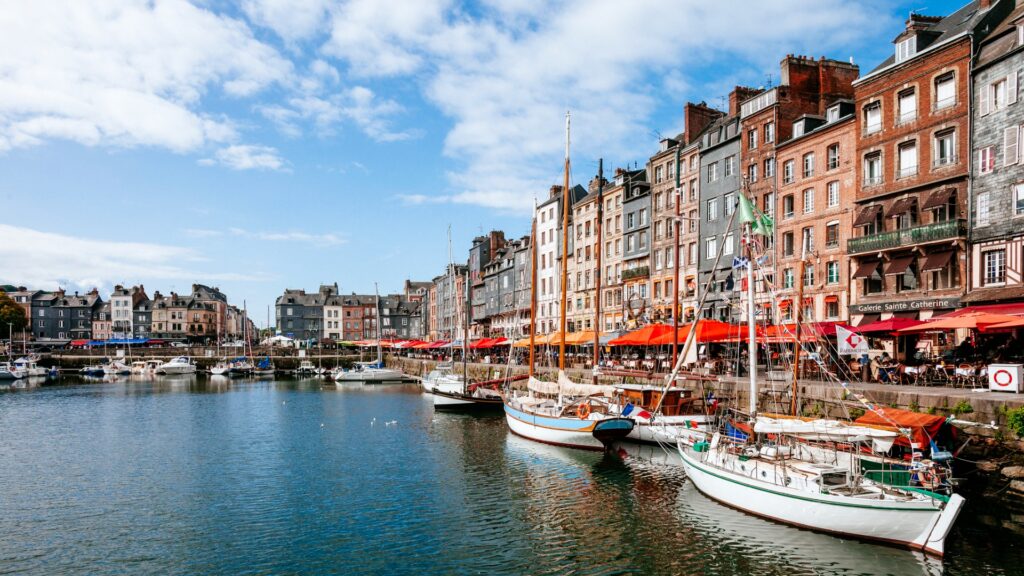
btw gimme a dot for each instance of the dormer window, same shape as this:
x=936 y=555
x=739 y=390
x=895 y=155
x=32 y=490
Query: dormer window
x=798 y=129
x=832 y=114
x=906 y=48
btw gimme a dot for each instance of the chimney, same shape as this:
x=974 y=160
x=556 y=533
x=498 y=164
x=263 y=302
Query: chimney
x=739 y=95
x=556 y=191
x=697 y=117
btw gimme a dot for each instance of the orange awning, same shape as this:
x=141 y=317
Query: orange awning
x=976 y=321
x=643 y=336
x=580 y=338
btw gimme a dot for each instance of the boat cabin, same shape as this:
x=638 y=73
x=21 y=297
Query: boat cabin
x=678 y=402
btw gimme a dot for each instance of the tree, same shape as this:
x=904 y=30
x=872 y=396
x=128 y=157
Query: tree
x=11 y=312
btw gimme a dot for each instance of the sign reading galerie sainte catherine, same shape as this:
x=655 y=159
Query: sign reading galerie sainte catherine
x=905 y=306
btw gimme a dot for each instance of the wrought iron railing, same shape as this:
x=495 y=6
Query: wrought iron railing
x=908 y=236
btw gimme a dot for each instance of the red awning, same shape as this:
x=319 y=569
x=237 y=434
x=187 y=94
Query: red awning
x=78 y=343
x=922 y=426
x=937 y=260
x=938 y=198
x=707 y=331
x=866 y=269
x=867 y=215
x=643 y=336
x=902 y=206
x=1013 y=309
x=890 y=325
x=898 y=266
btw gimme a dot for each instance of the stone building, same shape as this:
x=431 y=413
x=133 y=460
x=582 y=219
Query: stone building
x=483 y=251
x=549 y=246
x=583 y=263
x=636 y=253
x=817 y=217
x=662 y=167
x=102 y=326
x=997 y=214
x=300 y=315
x=613 y=316
x=719 y=197
x=910 y=228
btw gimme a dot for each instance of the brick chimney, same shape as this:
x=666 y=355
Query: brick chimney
x=697 y=117
x=739 y=95
x=556 y=191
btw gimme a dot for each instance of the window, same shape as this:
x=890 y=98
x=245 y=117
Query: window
x=670 y=169
x=769 y=132
x=693 y=190
x=808 y=165
x=833 y=157
x=752 y=173
x=787 y=171
x=710 y=248
x=832 y=272
x=872 y=117
x=986 y=160
x=873 y=169
x=769 y=167
x=787 y=244
x=727 y=246
x=657 y=230
x=984 y=209
x=787 y=206
x=945 y=147
x=730 y=166
x=752 y=139
x=769 y=204
x=809 y=276
x=643 y=239
x=808 y=200
x=692 y=253
x=630 y=221
x=787 y=278
x=907 y=105
x=906 y=48
x=832 y=235
x=712 y=171
x=643 y=216
x=657 y=260
x=1011 y=145
x=998 y=94
x=832 y=114
x=908 y=159
x=670 y=255
x=658 y=174
x=1018 y=199
x=945 y=91
x=995 y=266
x=712 y=209
x=833 y=193
x=807 y=241
x=730 y=203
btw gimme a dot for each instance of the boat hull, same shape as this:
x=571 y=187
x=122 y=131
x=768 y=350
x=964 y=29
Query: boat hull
x=670 y=429
x=457 y=401
x=176 y=370
x=918 y=525
x=370 y=376
x=569 y=432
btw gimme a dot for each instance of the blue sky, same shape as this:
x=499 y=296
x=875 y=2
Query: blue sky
x=265 y=144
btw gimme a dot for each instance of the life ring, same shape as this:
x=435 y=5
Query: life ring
x=583 y=410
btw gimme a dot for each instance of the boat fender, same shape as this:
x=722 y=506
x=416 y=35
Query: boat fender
x=583 y=410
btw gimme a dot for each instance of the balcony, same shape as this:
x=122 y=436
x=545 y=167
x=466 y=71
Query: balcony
x=908 y=237
x=633 y=274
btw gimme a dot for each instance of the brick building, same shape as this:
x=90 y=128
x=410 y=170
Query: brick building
x=910 y=227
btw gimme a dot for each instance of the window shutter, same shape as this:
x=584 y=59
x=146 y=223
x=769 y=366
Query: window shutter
x=981 y=162
x=986 y=99
x=1011 y=137
x=1011 y=87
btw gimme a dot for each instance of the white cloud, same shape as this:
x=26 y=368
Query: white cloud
x=247 y=157
x=292 y=20
x=506 y=73
x=124 y=72
x=45 y=259
x=358 y=105
x=321 y=240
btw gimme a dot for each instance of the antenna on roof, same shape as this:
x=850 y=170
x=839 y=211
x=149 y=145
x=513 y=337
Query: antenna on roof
x=769 y=75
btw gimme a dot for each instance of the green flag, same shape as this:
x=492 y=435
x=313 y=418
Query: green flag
x=747 y=210
x=763 y=225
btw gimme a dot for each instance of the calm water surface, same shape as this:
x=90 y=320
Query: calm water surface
x=196 y=476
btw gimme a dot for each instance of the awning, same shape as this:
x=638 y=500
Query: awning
x=867 y=215
x=902 y=206
x=866 y=269
x=643 y=336
x=785 y=303
x=938 y=198
x=832 y=298
x=890 y=325
x=898 y=265
x=78 y=343
x=937 y=260
x=868 y=319
x=1013 y=309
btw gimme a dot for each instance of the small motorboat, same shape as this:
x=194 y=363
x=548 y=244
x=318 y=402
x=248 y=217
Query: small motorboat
x=10 y=371
x=221 y=368
x=179 y=365
x=116 y=368
x=368 y=372
x=30 y=365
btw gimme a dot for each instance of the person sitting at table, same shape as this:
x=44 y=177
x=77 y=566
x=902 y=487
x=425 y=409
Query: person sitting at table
x=965 y=351
x=886 y=359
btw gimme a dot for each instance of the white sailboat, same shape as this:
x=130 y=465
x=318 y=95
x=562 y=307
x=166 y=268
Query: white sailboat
x=563 y=413
x=771 y=473
x=371 y=371
x=443 y=375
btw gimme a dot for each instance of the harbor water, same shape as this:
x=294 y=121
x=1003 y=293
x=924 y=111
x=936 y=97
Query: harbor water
x=194 y=475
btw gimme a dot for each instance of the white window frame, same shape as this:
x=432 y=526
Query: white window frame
x=832 y=193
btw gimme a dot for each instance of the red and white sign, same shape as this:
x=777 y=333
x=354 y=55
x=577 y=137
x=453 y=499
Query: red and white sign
x=1005 y=377
x=850 y=342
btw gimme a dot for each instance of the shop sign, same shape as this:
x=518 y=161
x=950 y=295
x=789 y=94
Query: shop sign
x=905 y=306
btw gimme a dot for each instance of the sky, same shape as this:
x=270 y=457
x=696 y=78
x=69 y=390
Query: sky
x=260 y=145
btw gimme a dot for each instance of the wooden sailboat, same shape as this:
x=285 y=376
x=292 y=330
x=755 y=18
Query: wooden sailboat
x=770 y=471
x=563 y=413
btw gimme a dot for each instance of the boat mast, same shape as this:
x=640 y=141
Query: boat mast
x=565 y=250
x=675 y=255
x=451 y=292
x=796 y=331
x=751 y=329
x=465 y=341
x=376 y=296
x=600 y=247
x=533 y=289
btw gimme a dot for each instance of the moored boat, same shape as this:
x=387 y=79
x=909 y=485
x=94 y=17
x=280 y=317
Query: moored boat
x=179 y=365
x=9 y=371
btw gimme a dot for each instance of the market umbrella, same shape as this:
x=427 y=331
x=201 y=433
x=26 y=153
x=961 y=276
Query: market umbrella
x=643 y=336
x=707 y=331
x=580 y=338
x=978 y=321
x=1018 y=323
x=525 y=342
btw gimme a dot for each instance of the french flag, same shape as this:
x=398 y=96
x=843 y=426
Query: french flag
x=631 y=410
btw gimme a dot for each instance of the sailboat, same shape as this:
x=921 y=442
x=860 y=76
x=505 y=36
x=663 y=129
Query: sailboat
x=371 y=371
x=564 y=413
x=770 y=472
x=443 y=374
